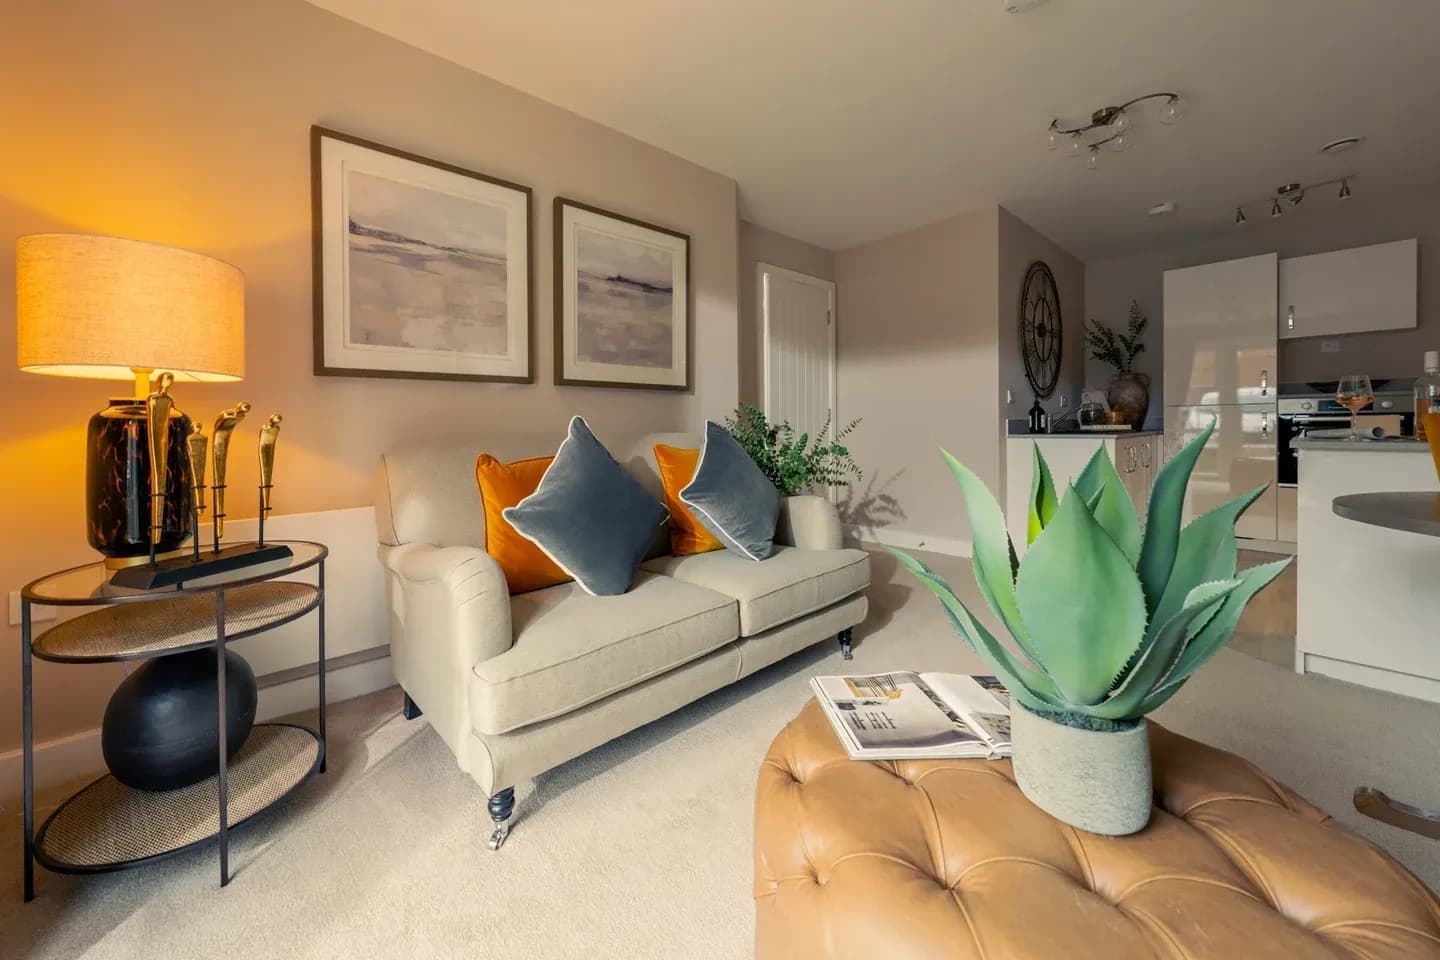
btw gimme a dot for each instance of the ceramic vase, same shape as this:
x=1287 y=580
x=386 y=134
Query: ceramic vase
x=1129 y=395
x=1096 y=781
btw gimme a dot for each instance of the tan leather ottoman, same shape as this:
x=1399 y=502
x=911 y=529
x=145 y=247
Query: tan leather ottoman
x=947 y=859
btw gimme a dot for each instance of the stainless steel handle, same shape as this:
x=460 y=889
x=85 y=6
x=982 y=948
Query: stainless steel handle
x=1264 y=383
x=1264 y=426
x=1130 y=458
x=1290 y=318
x=1145 y=456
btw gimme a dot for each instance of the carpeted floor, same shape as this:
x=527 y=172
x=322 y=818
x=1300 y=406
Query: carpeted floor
x=642 y=849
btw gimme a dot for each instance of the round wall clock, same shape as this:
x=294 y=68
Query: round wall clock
x=1040 y=329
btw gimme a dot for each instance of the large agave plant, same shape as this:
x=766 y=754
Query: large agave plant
x=1108 y=620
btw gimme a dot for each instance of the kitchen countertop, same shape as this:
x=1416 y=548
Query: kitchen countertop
x=1023 y=434
x=1404 y=445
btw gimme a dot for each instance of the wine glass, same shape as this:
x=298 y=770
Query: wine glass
x=1354 y=393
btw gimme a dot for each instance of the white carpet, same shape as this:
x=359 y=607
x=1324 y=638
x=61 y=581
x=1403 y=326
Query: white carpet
x=642 y=849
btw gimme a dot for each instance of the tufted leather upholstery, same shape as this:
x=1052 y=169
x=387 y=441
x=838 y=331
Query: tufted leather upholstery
x=947 y=859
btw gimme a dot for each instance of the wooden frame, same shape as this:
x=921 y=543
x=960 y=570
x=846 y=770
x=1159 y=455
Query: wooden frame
x=683 y=380
x=524 y=340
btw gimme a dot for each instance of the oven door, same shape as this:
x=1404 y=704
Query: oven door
x=1292 y=428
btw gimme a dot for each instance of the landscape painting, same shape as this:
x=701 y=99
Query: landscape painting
x=422 y=268
x=622 y=286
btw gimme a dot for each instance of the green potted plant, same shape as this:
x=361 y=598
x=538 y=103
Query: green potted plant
x=1129 y=391
x=1108 y=622
x=794 y=464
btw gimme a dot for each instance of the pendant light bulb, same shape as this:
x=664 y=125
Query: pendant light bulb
x=1344 y=189
x=1240 y=220
x=1093 y=160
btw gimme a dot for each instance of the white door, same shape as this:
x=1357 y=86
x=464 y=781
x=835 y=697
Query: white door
x=797 y=320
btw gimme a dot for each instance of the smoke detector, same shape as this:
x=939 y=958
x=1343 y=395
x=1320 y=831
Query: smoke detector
x=1020 y=6
x=1161 y=209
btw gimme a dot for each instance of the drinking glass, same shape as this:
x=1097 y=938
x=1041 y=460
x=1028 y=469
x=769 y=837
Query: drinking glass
x=1354 y=393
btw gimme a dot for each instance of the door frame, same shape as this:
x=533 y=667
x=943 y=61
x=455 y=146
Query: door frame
x=762 y=285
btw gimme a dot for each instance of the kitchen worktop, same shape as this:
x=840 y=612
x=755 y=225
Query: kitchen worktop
x=1399 y=445
x=1022 y=433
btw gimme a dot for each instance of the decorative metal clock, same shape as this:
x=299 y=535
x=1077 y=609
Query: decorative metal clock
x=1040 y=329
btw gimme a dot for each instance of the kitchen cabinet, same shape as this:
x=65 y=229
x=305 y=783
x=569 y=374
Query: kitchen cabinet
x=1220 y=338
x=1137 y=459
x=1239 y=456
x=1347 y=291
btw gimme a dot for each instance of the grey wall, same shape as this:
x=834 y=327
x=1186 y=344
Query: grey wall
x=1020 y=246
x=918 y=356
x=1325 y=224
x=759 y=245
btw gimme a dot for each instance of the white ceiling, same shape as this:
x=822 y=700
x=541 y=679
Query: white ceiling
x=847 y=120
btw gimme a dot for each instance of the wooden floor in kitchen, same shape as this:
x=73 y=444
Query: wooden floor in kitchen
x=1267 y=627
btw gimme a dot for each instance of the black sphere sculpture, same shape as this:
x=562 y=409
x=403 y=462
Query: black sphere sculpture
x=161 y=726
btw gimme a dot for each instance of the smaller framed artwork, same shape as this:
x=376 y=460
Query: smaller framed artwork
x=422 y=268
x=622 y=301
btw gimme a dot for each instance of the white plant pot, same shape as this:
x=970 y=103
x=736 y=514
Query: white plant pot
x=1095 y=781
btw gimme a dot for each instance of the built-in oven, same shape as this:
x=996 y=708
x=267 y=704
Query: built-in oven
x=1305 y=407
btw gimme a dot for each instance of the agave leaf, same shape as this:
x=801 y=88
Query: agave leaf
x=1162 y=526
x=1110 y=503
x=994 y=555
x=1206 y=551
x=1017 y=675
x=1043 y=502
x=1161 y=651
x=1205 y=642
x=1081 y=603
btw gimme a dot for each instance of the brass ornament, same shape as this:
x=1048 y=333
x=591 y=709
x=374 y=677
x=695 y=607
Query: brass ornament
x=157 y=419
x=269 y=434
x=225 y=424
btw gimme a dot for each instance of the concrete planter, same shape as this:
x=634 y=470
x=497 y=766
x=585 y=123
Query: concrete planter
x=1095 y=781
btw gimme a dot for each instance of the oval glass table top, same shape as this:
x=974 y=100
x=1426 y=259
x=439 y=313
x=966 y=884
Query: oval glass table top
x=1410 y=512
x=89 y=584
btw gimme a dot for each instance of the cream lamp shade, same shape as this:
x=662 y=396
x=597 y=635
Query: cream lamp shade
x=109 y=308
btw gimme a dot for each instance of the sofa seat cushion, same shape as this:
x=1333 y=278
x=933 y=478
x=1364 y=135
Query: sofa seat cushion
x=572 y=648
x=790 y=583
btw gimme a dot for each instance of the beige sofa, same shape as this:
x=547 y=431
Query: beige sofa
x=518 y=685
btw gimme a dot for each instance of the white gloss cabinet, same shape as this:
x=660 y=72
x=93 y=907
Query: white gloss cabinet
x=1239 y=456
x=1220 y=332
x=1137 y=459
x=1348 y=291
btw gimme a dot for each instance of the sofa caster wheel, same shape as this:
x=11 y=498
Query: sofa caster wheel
x=501 y=806
x=847 y=641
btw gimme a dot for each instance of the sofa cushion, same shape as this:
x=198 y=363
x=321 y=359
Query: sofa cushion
x=731 y=497
x=572 y=648
x=502 y=485
x=789 y=584
x=677 y=468
x=589 y=516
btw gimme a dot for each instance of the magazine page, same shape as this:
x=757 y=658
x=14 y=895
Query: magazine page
x=982 y=701
x=896 y=716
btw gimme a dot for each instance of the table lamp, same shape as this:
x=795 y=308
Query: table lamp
x=108 y=308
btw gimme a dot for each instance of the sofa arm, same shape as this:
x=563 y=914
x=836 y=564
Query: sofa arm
x=454 y=598
x=808 y=522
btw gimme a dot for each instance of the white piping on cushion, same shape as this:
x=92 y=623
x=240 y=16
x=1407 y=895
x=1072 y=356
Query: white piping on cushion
x=715 y=527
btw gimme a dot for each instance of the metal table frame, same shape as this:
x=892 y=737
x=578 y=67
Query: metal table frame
x=28 y=598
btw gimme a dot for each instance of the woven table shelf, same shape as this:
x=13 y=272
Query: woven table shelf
x=108 y=824
x=186 y=622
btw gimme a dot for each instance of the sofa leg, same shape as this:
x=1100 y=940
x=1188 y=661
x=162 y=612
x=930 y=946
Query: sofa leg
x=412 y=710
x=501 y=806
x=847 y=639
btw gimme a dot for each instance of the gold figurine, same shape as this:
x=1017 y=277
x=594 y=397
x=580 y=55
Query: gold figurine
x=157 y=418
x=196 y=445
x=225 y=424
x=268 y=435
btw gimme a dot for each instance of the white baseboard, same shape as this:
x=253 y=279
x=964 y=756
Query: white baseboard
x=909 y=540
x=78 y=755
x=1392 y=681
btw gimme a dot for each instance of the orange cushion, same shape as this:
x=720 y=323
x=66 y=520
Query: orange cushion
x=677 y=469
x=504 y=485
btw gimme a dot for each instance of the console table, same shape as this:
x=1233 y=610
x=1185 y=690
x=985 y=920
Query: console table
x=109 y=826
x=1411 y=513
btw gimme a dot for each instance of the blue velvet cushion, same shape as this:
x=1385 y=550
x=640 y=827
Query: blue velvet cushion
x=589 y=516
x=731 y=497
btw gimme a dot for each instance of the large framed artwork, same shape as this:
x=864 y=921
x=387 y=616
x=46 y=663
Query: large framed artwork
x=622 y=301
x=422 y=269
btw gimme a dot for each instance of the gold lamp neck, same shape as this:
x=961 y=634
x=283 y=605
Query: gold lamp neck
x=142 y=381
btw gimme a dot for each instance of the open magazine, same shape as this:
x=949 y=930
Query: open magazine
x=917 y=716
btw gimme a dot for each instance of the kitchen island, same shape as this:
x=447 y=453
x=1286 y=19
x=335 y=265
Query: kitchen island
x=1368 y=597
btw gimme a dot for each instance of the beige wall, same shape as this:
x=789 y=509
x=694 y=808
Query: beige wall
x=1328 y=225
x=918 y=360
x=759 y=245
x=1020 y=246
x=187 y=123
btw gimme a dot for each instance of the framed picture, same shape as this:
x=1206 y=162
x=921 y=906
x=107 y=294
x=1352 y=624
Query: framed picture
x=422 y=269
x=622 y=301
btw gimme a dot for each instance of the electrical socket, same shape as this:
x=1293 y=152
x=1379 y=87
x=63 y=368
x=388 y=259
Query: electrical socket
x=38 y=612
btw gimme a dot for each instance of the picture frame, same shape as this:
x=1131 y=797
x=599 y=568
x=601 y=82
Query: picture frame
x=422 y=269
x=624 y=314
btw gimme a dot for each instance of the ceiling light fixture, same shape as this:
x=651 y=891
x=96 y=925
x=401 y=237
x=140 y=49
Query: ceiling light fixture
x=1344 y=143
x=1020 y=6
x=1293 y=194
x=1111 y=125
